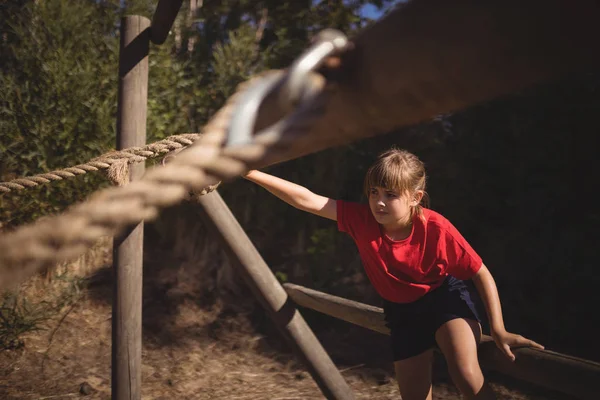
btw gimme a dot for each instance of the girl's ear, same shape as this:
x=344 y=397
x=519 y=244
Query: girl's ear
x=417 y=197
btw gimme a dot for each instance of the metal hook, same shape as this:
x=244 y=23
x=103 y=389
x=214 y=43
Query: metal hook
x=327 y=43
x=296 y=84
x=242 y=123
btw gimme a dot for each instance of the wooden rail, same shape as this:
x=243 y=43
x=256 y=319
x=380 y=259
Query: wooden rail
x=570 y=375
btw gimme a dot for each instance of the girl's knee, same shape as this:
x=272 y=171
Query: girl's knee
x=470 y=381
x=467 y=376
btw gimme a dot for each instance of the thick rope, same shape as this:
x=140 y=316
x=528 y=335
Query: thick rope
x=109 y=211
x=116 y=159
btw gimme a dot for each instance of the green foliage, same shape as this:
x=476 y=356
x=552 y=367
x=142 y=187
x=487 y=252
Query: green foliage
x=57 y=98
x=322 y=242
x=282 y=277
x=323 y=260
x=170 y=88
x=23 y=312
x=17 y=317
x=233 y=61
x=237 y=60
x=59 y=93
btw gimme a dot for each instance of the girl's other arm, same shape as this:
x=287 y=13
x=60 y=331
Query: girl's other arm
x=295 y=195
x=486 y=286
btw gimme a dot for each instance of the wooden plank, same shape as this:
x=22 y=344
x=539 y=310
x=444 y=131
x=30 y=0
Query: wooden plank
x=431 y=57
x=269 y=291
x=128 y=248
x=571 y=375
x=163 y=19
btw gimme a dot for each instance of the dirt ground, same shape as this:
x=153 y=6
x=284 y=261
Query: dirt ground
x=200 y=352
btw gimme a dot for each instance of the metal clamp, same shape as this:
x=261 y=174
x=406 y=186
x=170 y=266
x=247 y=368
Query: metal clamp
x=327 y=43
x=295 y=85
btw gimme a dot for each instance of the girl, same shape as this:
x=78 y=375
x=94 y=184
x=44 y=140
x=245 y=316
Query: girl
x=416 y=260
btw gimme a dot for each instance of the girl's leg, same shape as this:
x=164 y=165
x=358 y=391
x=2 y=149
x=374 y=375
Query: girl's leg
x=458 y=339
x=414 y=376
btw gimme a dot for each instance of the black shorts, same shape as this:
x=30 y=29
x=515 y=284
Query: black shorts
x=413 y=325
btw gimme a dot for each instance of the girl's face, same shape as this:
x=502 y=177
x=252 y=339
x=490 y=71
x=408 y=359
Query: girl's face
x=390 y=207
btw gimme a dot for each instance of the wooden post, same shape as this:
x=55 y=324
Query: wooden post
x=128 y=248
x=274 y=298
x=571 y=375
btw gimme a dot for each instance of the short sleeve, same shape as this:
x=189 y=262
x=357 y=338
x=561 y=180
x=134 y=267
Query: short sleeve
x=462 y=261
x=352 y=218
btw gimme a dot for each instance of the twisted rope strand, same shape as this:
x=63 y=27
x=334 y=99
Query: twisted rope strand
x=109 y=211
x=130 y=156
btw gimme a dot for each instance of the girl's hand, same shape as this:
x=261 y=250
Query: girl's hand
x=505 y=340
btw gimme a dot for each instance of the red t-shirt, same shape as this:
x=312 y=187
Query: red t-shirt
x=402 y=271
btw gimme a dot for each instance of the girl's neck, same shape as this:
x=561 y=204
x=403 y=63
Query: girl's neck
x=399 y=230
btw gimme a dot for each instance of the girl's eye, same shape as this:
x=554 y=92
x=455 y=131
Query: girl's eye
x=373 y=191
x=391 y=194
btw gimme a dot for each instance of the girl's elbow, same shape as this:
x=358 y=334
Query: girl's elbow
x=306 y=206
x=302 y=203
x=482 y=274
x=305 y=201
x=301 y=207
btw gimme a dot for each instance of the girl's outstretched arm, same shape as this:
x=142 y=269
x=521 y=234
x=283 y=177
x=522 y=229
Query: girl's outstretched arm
x=295 y=195
x=486 y=286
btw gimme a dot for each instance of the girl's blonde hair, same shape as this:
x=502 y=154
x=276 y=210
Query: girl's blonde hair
x=399 y=170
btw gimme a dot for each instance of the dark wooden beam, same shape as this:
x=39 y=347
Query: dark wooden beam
x=163 y=19
x=571 y=375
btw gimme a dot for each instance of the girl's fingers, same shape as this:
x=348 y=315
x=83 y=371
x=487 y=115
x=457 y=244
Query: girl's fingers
x=507 y=352
x=531 y=343
x=504 y=344
x=521 y=341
